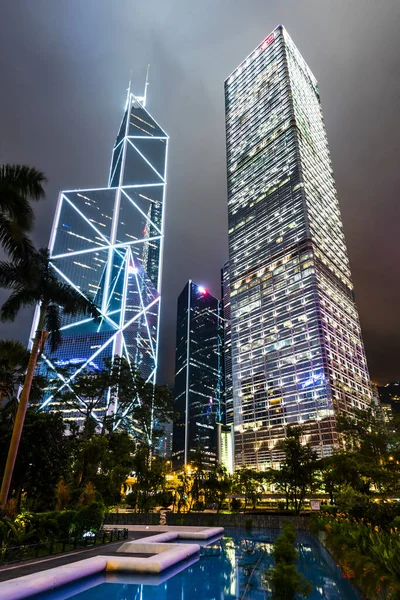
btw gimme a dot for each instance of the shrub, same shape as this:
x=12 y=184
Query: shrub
x=287 y=583
x=396 y=523
x=88 y=495
x=63 y=495
x=349 y=498
x=281 y=505
x=366 y=553
x=289 y=531
x=65 y=521
x=236 y=504
x=89 y=518
x=329 y=508
x=130 y=499
x=10 y=510
x=198 y=506
x=381 y=515
x=45 y=524
x=3 y=531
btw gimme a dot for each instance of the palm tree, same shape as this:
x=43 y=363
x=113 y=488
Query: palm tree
x=34 y=283
x=18 y=185
x=14 y=358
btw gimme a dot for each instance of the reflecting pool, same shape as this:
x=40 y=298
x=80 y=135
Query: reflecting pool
x=228 y=569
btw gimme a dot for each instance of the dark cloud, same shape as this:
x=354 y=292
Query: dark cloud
x=64 y=70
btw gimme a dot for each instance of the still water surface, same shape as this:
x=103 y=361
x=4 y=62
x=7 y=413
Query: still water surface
x=229 y=569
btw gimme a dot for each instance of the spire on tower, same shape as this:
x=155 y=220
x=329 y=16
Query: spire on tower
x=145 y=86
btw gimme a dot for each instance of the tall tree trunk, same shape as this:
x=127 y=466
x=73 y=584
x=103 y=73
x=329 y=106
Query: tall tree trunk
x=21 y=412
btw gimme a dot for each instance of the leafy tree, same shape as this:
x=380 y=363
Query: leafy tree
x=371 y=454
x=249 y=483
x=217 y=486
x=85 y=393
x=341 y=469
x=103 y=462
x=43 y=457
x=363 y=431
x=19 y=185
x=146 y=414
x=296 y=475
x=14 y=358
x=34 y=283
x=150 y=479
x=138 y=406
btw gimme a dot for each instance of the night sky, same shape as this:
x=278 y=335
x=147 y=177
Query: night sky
x=65 y=68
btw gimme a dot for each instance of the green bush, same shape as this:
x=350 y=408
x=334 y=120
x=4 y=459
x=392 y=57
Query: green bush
x=348 y=498
x=89 y=518
x=329 y=508
x=396 y=523
x=236 y=504
x=130 y=499
x=3 y=531
x=45 y=525
x=65 y=521
x=198 y=506
x=368 y=554
x=287 y=583
x=381 y=514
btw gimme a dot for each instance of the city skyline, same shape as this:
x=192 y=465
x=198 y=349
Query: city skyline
x=61 y=103
x=297 y=351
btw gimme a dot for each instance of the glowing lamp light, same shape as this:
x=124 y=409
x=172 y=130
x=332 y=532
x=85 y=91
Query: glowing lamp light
x=133 y=270
x=202 y=290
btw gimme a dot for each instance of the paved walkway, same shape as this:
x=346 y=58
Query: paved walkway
x=28 y=567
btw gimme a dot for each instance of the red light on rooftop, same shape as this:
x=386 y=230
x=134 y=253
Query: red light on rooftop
x=268 y=41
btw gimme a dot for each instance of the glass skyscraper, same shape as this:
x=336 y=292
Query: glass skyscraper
x=297 y=352
x=107 y=243
x=199 y=399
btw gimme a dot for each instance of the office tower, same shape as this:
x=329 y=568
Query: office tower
x=227 y=347
x=198 y=377
x=107 y=243
x=297 y=352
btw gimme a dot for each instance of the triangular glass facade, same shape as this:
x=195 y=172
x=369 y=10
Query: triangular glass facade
x=107 y=243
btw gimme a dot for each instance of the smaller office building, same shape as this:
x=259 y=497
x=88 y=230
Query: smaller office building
x=199 y=398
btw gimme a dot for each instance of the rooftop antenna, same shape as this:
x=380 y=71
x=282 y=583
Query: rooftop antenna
x=129 y=87
x=145 y=86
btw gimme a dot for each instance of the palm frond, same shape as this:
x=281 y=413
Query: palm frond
x=52 y=325
x=26 y=181
x=72 y=301
x=19 y=299
x=14 y=241
x=14 y=354
x=20 y=274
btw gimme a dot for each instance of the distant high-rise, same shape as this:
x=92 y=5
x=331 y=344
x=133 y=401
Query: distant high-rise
x=390 y=395
x=297 y=352
x=107 y=244
x=227 y=347
x=198 y=377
